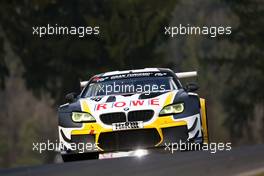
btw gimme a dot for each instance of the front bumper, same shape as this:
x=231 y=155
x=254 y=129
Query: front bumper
x=163 y=130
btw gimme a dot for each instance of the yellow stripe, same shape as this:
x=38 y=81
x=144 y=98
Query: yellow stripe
x=167 y=125
x=204 y=121
x=168 y=99
x=161 y=136
x=85 y=107
x=80 y=132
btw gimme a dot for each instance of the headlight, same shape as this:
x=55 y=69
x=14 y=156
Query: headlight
x=82 y=117
x=172 y=109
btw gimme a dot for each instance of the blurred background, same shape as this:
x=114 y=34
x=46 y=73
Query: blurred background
x=36 y=73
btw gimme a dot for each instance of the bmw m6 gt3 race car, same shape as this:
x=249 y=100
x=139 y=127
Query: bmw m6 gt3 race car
x=129 y=110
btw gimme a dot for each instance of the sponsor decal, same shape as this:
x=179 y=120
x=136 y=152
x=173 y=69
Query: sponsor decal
x=128 y=75
x=123 y=104
x=99 y=79
x=127 y=125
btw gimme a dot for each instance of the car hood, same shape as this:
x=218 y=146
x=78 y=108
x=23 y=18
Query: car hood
x=125 y=103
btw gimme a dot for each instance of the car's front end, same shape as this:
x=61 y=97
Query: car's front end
x=130 y=121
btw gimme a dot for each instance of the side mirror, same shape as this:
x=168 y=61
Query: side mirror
x=191 y=87
x=71 y=96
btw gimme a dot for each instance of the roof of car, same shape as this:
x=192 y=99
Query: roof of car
x=111 y=73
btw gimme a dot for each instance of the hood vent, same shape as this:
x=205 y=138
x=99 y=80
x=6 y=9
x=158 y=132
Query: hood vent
x=150 y=95
x=111 y=99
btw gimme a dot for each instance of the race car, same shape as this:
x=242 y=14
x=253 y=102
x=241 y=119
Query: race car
x=129 y=110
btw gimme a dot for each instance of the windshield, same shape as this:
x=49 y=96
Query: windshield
x=128 y=86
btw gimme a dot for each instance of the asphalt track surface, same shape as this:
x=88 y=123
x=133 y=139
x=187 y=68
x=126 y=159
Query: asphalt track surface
x=247 y=160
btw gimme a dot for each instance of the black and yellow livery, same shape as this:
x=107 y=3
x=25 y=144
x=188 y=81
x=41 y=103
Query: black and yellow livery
x=110 y=121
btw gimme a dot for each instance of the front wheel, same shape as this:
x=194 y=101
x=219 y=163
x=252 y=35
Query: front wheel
x=80 y=156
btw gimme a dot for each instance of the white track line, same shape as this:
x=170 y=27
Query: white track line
x=252 y=172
